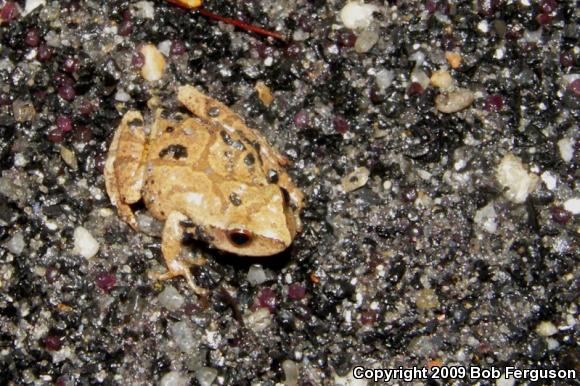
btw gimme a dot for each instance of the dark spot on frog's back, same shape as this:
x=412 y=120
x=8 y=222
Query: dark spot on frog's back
x=174 y=151
x=136 y=122
x=235 y=199
x=249 y=159
x=272 y=176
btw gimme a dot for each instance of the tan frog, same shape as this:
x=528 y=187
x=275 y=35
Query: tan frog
x=209 y=175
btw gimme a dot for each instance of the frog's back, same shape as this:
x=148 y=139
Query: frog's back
x=205 y=148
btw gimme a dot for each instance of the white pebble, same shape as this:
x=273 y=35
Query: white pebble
x=16 y=244
x=258 y=320
x=566 y=147
x=154 y=66
x=164 y=47
x=546 y=328
x=357 y=179
x=170 y=298
x=442 y=79
x=299 y=35
x=365 y=41
x=174 y=378
x=290 y=372
x=206 y=375
x=572 y=205
x=512 y=174
x=483 y=26
x=550 y=180
x=357 y=15
x=144 y=10
x=122 y=96
x=84 y=243
x=20 y=160
x=256 y=275
x=419 y=76
x=183 y=336
x=454 y=101
x=31 y=5
x=486 y=218
x=384 y=79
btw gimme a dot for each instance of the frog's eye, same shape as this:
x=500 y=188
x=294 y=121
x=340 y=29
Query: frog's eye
x=240 y=237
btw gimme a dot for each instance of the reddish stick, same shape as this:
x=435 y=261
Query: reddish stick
x=227 y=20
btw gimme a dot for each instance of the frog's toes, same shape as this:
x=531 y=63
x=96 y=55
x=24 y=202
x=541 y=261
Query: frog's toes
x=181 y=268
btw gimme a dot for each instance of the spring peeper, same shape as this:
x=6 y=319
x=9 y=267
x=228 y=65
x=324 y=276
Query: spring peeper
x=207 y=174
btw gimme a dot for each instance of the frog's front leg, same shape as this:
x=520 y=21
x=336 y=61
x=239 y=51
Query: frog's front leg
x=214 y=111
x=171 y=249
x=124 y=168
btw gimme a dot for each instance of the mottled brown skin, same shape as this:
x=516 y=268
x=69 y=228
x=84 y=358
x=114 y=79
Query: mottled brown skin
x=207 y=174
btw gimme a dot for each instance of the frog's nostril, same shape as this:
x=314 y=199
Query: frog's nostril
x=240 y=237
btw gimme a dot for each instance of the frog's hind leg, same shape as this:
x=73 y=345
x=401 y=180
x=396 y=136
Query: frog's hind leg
x=214 y=111
x=124 y=168
x=171 y=248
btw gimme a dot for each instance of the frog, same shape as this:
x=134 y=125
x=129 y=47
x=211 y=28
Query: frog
x=205 y=173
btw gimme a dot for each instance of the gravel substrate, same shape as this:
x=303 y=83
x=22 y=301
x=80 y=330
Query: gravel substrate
x=436 y=143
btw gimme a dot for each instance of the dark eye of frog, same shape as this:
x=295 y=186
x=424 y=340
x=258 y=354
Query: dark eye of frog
x=240 y=237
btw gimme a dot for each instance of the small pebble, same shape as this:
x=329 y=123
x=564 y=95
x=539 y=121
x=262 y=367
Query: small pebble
x=32 y=38
x=258 y=320
x=31 y=5
x=67 y=92
x=296 y=291
x=106 y=281
x=69 y=157
x=415 y=89
x=174 y=378
x=365 y=41
x=453 y=58
x=357 y=179
x=264 y=93
x=256 y=275
x=84 y=243
x=426 y=299
x=512 y=174
x=454 y=101
x=23 y=111
x=340 y=124
x=144 y=10
x=122 y=96
x=572 y=205
x=357 y=15
x=205 y=376
x=441 y=79
x=566 y=148
x=486 y=218
x=64 y=123
x=493 y=103
x=178 y=48
x=560 y=215
x=154 y=63
x=171 y=299
x=16 y=244
x=183 y=336
x=290 y=373
x=546 y=328
x=384 y=79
